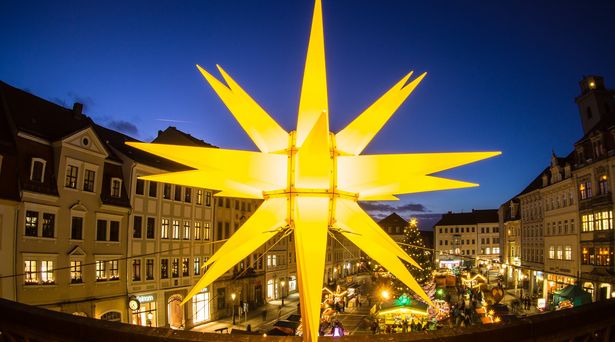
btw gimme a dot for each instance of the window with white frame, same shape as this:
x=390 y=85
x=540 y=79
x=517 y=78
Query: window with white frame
x=72 y=172
x=199 y=196
x=560 y=253
x=197 y=230
x=48 y=222
x=76 y=273
x=101 y=270
x=39 y=270
x=30 y=272
x=107 y=269
x=164 y=229
x=31 y=223
x=48 y=227
x=568 y=252
x=37 y=170
x=206 y=232
x=136 y=270
x=116 y=187
x=186 y=230
x=76 y=228
x=89 y=180
x=175 y=229
x=47 y=276
x=107 y=230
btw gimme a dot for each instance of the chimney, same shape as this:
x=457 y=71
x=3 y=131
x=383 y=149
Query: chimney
x=77 y=109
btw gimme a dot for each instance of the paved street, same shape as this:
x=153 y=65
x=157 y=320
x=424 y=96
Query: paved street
x=255 y=317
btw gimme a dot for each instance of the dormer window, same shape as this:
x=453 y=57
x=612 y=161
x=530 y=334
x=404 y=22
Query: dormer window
x=71 y=176
x=37 y=170
x=116 y=187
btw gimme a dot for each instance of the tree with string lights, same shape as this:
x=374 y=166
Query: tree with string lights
x=411 y=244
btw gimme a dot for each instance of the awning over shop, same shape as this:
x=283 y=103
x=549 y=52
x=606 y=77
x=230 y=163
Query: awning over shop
x=574 y=293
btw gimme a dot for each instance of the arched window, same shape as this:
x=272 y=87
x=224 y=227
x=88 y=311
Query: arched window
x=113 y=316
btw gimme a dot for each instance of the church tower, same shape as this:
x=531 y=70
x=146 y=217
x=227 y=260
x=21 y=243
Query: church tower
x=595 y=102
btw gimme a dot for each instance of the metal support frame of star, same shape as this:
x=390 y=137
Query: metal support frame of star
x=310 y=179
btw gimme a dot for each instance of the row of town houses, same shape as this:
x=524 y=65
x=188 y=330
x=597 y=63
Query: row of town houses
x=80 y=232
x=558 y=231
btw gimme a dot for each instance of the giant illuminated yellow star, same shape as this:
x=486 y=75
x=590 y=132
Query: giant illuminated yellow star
x=310 y=179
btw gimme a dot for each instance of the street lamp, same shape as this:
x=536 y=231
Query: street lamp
x=282 y=283
x=385 y=294
x=233 y=298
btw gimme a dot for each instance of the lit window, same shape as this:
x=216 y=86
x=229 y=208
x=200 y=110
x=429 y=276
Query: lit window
x=76 y=276
x=197 y=230
x=164 y=232
x=199 y=196
x=30 y=272
x=186 y=230
x=568 y=253
x=560 y=254
x=176 y=229
x=71 y=177
x=551 y=252
x=206 y=232
x=88 y=181
x=101 y=270
x=208 y=199
x=197 y=266
x=186 y=267
x=175 y=268
x=31 y=223
x=114 y=271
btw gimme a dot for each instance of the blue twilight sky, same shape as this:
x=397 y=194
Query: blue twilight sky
x=502 y=75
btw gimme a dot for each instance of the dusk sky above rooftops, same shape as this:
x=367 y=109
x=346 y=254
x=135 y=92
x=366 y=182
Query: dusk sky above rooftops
x=501 y=75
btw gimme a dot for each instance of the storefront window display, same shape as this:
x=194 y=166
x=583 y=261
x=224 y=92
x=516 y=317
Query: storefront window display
x=146 y=312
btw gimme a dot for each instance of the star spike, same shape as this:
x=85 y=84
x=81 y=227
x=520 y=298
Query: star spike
x=356 y=136
x=257 y=230
x=390 y=174
x=311 y=223
x=313 y=99
x=265 y=132
x=349 y=214
x=254 y=169
x=314 y=163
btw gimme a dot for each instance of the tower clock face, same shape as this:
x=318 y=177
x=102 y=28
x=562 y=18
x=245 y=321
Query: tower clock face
x=134 y=304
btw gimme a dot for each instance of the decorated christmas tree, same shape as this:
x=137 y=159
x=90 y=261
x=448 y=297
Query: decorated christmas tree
x=412 y=243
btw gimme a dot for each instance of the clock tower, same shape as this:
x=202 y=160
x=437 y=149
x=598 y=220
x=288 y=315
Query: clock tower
x=595 y=102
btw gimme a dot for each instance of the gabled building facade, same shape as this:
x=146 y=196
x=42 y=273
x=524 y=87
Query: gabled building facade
x=71 y=217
